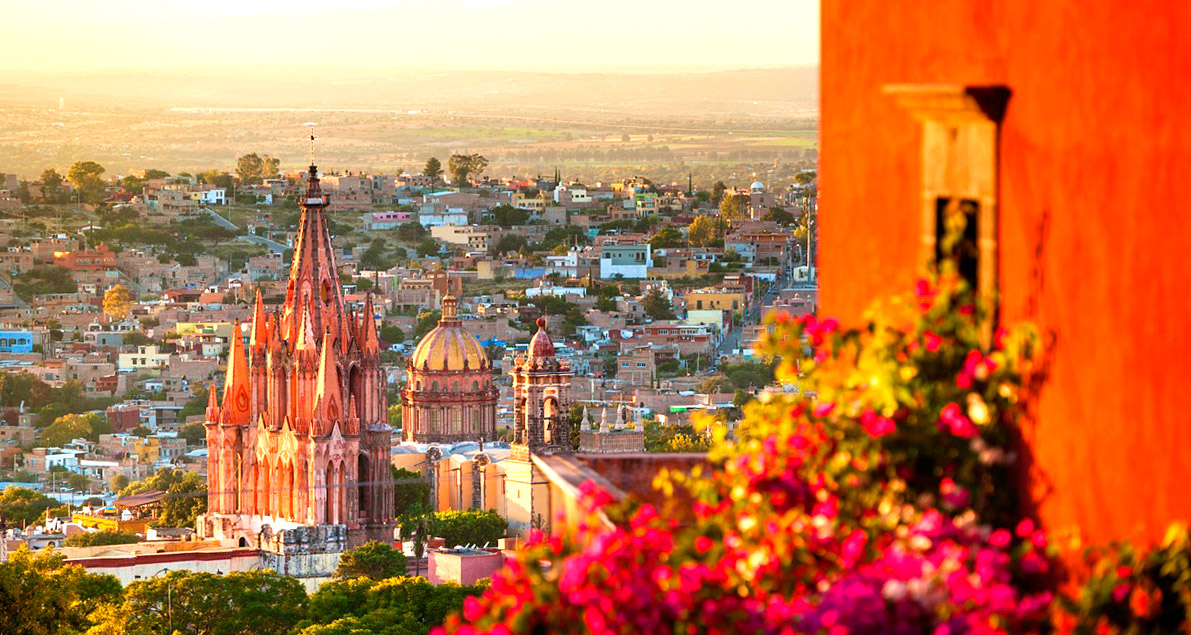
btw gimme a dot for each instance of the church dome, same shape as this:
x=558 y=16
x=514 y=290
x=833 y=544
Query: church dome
x=757 y=186
x=449 y=347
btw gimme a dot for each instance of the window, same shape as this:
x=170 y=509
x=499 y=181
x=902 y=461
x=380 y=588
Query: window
x=960 y=146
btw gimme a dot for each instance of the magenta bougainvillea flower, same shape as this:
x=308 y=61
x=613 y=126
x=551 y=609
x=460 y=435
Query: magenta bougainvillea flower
x=872 y=501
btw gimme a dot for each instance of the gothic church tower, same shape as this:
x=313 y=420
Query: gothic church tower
x=301 y=437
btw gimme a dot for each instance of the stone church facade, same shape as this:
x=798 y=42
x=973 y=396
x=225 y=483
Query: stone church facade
x=299 y=446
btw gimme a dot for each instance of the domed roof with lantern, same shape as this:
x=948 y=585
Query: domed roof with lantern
x=449 y=346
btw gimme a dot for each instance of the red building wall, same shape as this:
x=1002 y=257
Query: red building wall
x=1094 y=228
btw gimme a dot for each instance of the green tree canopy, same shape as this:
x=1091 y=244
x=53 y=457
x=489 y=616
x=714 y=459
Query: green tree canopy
x=701 y=232
x=74 y=426
x=238 y=603
x=186 y=495
x=427 y=320
x=85 y=175
x=779 y=216
x=373 y=559
x=469 y=527
x=657 y=306
x=667 y=237
x=433 y=168
x=506 y=215
x=462 y=166
x=734 y=206
x=22 y=505
x=250 y=168
x=509 y=243
x=409 y=489
x=98 y=538
x=394 y=606
x=41 y=595
x=42 y=280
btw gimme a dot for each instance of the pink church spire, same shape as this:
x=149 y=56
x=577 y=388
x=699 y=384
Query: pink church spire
x=314 y=277
x=237 y=406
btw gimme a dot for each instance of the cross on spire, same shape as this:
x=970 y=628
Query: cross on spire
x=312 y=139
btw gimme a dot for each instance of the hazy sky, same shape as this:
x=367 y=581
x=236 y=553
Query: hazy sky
x=621 y=35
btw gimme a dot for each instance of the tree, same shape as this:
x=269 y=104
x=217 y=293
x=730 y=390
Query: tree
x=117 y=303
x=373 y=560
x=218 y=178
x=508 y=216
x=270 y=167
x=42 y=595
x=100 y=538
x=51 y=181
x=462 y=166
x=657 y=306
x=23 y=388
x=469 y=527
x=66 y=428
x=152 y=174
x=666 y=237
x=250 y=167
x=805 y=177
x=394 y=606
x=509 y=243
x=85 y=175
x=428 y=247
x=132 y=184
x=733 y=206
x=390 y=334
x=194 y=432
x=717 y=192
x=42 y=280
x=701 y=232
x=716 y=384
x=200 y=603
x=409 y=489
x=412 y=231
x=779 y=216
x=427 y=320
x=186 y=495
x=117 y=482
x=22 y=505
x=433 y=168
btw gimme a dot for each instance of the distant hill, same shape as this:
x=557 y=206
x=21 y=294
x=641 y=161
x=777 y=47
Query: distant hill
x=760 y=92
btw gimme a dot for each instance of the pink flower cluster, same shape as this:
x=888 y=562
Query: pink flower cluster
x=858 y=511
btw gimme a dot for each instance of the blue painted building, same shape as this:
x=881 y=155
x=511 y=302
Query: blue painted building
x=16 y=341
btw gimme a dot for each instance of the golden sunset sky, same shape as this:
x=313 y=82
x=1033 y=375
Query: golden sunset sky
x=549 y=35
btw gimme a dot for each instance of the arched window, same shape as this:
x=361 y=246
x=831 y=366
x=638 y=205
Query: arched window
x=475 y=386
x=418 y=385
x=364 y=479
x=434 y=386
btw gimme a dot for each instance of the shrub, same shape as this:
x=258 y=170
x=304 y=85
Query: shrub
x=374 y=560
x=469 y=527
x=98 y=538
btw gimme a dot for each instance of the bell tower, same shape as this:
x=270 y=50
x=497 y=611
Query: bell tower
x=541 y=400
x=541 y=408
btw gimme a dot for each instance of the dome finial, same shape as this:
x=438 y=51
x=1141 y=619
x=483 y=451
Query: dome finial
x=541 y=322
x=450 y=307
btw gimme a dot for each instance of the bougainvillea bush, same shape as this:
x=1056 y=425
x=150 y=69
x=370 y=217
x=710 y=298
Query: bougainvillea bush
x=875 y=499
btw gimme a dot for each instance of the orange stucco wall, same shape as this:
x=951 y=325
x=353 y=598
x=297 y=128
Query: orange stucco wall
x=1095 y=230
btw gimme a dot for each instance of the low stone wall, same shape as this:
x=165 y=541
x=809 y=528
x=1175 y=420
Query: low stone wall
x=611 y=442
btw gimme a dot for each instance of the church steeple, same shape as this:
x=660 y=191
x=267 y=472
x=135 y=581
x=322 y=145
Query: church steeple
x=236 y=405
x=314 y=277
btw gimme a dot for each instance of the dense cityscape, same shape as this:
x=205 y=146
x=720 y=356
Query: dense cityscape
x=516 y=316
